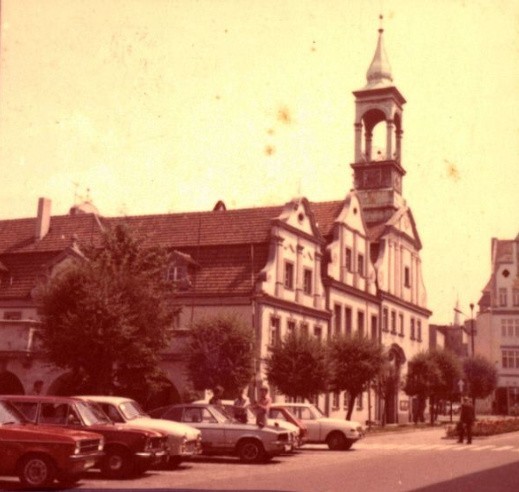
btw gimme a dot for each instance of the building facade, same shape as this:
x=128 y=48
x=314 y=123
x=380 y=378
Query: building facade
x=349 y=266
x=497 y=324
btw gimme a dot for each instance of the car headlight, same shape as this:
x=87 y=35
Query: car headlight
x=101 y=444
x=77 y=448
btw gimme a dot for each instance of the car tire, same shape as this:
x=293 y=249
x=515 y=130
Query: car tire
x=251 y=451
x=336 y=441
x=174 y=462
x=36 y=471
x=68 y=480
x=117 y=463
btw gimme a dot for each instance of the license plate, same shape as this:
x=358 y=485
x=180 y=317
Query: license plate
x=89 y=464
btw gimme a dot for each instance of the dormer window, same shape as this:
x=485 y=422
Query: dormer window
x=178 y=274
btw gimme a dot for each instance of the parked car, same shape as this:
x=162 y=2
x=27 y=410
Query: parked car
x=127 y=451
x=337 y=433
x=279 y=414
x=184 y=441
x=39 y=454
x=293 y=430
x=224 y=436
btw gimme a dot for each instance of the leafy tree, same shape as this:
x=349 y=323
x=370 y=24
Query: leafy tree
x=450 y=371
x=481 y=376
x=423 y=377
x=432 y=375
x=220 y=353
x=353 y=363
x=297 y=366
x=107 y=316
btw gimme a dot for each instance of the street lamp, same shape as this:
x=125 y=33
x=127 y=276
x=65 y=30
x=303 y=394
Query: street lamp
x=472 y=327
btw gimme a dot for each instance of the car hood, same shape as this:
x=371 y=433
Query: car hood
x=340 y=422
x=283 y=425
x=166 y=426
x=35 y=430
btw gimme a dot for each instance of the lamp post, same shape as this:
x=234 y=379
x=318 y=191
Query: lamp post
x=472 y=327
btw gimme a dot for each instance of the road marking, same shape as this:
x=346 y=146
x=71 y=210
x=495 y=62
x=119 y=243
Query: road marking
x=503 y=448
x=479 y=448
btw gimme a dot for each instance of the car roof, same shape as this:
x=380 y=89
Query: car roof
x=42 y=398
x=105 y=399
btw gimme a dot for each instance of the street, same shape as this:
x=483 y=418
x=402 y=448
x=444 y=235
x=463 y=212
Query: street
x=400 y=461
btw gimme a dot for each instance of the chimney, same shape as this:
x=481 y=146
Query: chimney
x=43 y=219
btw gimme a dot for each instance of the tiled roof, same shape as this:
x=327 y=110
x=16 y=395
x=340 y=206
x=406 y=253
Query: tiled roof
x=18 y=235
x=218 y=241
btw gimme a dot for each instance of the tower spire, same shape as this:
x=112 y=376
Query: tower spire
x=379 y=71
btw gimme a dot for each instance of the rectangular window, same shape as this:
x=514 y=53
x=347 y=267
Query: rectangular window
x=360 y=265
x=508 y=359
x=13 y=315
x=360 y=323
x=401 y=323
x=419 y=330
x=407 y=277
x=515 y=295
x=412 y=334
x=307 y=281
x=393 y=322
x=289 y=275
x=360 y=401
x=374 y=328
x=337 y=310
x=291 y=327
x=274 y=333
x=304 y=329
x=503 y=301
x=335 y=400
x=348 y=260
x=385 y=320
x=347 y=321
x=318 y=333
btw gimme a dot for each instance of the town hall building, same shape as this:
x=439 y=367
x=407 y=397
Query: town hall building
x=348 y=266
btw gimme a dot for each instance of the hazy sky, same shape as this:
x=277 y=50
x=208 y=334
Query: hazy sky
x=163 y=106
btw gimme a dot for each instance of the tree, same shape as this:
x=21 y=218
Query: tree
x=431 y=375
x=423 y=375
x=480 y=375
x=450 y=371
x=297 y=366
x=353 y=363
x=220 y=353
x=107 y=316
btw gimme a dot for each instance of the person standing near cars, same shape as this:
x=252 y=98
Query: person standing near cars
x=262 y=407
x=240 y=408
x=467 y=417
x=216 y=399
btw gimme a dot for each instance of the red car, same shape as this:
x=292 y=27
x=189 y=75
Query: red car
x=282 y=413
x=40 y=454
x=128 y=452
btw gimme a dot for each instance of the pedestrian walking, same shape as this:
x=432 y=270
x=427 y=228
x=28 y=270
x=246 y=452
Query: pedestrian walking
x=467 y=417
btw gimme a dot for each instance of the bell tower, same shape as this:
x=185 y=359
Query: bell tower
x=378 y=170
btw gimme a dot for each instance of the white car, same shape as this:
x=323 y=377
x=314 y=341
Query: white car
x=292 y=429
x=184 y=441
x=225 y=436
x=337 y=433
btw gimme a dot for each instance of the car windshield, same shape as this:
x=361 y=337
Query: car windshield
x=92 y=414
x=219 y=415
x=132 y=410
x=9 y=414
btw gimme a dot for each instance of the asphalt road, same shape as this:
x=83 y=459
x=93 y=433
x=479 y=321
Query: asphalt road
x=421 y=460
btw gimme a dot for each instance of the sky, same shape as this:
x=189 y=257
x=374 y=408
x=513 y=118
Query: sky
x=156 y=106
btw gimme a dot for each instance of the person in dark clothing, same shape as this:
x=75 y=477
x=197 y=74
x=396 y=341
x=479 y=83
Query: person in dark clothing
x=467 y=417
x=216 y=399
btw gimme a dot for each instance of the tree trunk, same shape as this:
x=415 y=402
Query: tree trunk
x=351 y=402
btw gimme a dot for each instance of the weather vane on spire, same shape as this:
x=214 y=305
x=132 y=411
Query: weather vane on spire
x=381 y=28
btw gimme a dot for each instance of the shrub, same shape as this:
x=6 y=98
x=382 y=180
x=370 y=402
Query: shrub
x=488 y=427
